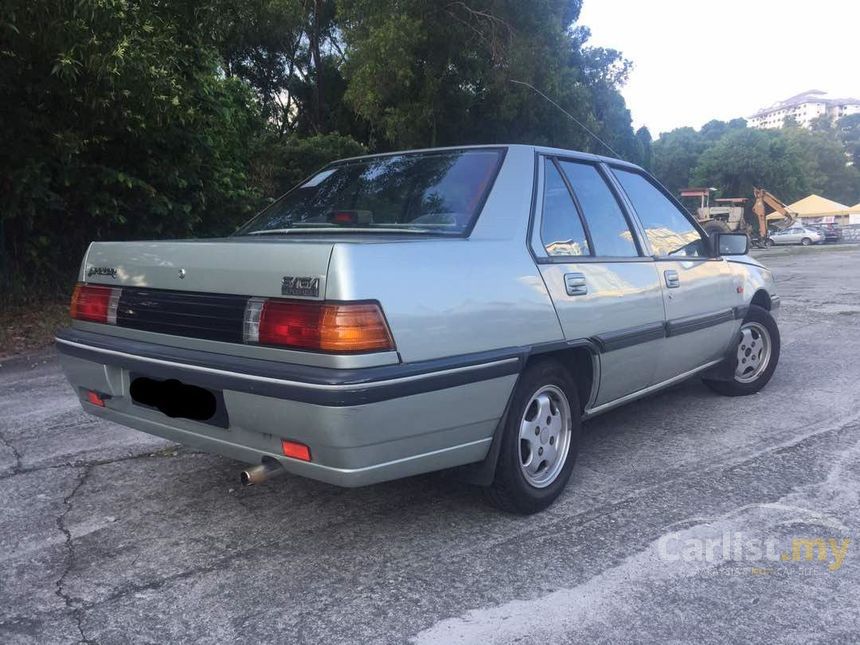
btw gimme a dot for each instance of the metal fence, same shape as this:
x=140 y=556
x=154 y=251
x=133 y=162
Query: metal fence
x=851 y=233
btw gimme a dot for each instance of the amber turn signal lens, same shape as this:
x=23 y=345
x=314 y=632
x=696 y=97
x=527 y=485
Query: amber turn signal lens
x=354 y=328
x=327 y=327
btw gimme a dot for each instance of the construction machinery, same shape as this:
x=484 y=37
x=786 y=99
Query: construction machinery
x=763 y=199
x=729 y=214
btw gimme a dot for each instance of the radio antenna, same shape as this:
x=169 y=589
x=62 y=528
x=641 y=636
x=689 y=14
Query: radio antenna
x=573 y=118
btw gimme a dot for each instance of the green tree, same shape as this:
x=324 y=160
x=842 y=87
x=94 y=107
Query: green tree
x=848 y=131
x=116 y=120
x=675 y=155
x=743 y=159
x=440 y=73
x=826 y=166
x=646 y=153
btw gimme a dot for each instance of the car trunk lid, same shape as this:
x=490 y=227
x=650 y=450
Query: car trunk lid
x=294 y=268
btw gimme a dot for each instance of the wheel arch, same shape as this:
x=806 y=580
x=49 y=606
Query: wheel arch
x=581 y=362
x=762 y=299
x=580 y=359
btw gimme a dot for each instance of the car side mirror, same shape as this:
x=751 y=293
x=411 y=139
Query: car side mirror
x=730 y=244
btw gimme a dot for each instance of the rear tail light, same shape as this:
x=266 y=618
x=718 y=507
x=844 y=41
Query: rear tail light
x=328 y=327
x=94 y=303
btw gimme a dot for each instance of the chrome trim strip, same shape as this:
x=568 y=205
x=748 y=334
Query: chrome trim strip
x=267 y=379
x=648 y=390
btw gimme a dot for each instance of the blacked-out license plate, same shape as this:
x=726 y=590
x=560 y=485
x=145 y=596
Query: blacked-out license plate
x=178 y=399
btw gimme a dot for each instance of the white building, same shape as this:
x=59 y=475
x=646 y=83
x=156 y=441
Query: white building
x=804 y=108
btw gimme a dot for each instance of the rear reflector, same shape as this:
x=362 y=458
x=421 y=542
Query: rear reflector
x=296 y=450
x=95 y=398
x=94 y=303
x=327 y=327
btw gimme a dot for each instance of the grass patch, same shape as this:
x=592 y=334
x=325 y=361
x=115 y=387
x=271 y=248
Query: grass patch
x=28 y=327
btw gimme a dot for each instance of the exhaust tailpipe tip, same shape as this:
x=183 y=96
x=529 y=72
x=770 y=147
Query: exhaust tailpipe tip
x=259 y=474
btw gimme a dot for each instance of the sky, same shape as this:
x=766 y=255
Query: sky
x=695 y=61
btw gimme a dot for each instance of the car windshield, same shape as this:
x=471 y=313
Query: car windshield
x=428 y=192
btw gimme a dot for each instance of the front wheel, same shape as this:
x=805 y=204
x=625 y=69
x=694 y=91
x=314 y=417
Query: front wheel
x=539 y=441
x=806 y=241
x=756 y=355
x=768 y=242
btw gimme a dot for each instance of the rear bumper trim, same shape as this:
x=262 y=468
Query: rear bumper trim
x=322 y=386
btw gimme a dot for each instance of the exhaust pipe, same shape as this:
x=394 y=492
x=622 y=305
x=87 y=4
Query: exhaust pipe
x=258 y=474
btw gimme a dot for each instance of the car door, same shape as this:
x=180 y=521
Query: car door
x=792 y=236
x=700 y=293
x=605 y=289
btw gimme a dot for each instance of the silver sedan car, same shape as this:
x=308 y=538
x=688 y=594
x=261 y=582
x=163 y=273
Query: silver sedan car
x=409 y=312
x=795 y=235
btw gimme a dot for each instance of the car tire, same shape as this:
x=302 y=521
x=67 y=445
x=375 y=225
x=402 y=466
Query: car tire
x=806 y=241
x=768 y=242
x=759 y=338
x=522 y=484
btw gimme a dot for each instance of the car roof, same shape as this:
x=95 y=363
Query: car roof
x=535 y=149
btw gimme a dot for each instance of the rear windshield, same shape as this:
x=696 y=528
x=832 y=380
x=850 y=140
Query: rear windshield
x=434 y=192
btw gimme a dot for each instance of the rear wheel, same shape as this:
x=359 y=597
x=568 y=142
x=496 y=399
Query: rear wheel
x=756 y=355
x=806 y=241
x=539 y=441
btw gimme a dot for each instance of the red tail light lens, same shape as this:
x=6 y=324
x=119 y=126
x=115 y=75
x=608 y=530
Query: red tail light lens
x=94 y=303
x=328 y=327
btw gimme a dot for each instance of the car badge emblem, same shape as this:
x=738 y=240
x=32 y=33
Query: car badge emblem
x=300 y=286
x=109 y=272
x=181 y=274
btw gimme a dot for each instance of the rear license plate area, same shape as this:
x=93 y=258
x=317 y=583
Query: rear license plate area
x=179 y=400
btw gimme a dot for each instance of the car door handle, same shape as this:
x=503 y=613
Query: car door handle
x=672 y=279
x=574 y=284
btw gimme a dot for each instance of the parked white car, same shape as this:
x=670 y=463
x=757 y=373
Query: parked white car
x=795 y=235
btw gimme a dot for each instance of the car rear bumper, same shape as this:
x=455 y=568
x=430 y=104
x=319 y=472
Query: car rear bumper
x=362 y=425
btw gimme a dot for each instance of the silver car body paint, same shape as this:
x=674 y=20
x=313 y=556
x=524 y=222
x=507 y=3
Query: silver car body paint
x=492 y=295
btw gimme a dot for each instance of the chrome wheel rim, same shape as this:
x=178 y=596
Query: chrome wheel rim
x=754 y=351
x=545 y=432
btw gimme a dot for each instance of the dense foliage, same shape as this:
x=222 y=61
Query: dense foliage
x=124 y=119
x=127 y=119
x=791 y=162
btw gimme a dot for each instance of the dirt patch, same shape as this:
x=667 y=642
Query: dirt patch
x=24 y=328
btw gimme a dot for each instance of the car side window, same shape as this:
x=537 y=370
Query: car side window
x=606 y=223
x=561 y=230
x=669 y=231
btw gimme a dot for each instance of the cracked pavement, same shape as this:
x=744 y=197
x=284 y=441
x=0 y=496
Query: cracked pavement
x=109 y=535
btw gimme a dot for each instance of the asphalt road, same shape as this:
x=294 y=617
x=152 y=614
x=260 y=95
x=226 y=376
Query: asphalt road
x=108 y=535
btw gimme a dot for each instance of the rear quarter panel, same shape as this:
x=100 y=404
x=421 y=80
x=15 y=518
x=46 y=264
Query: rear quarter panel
x=449 y=297
x=452 y=296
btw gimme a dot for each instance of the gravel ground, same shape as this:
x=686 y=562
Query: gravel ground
x=108 y=535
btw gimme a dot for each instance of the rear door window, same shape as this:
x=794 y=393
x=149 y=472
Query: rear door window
x=669 y=230
x=561 y=231
x=606 y=223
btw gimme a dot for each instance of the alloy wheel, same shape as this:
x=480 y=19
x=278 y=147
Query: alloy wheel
x=545 y=435
x=754 y=350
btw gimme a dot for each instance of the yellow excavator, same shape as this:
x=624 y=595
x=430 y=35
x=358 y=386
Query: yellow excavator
x=763 y=199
